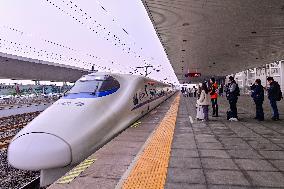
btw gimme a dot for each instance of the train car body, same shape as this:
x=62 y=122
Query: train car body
x=98 y=107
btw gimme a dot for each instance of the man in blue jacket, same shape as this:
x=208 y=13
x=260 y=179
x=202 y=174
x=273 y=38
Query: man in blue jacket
x=258 y=98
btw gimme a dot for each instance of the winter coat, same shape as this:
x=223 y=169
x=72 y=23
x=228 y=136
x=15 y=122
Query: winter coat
x=257 y=93
x=231 y=91
x=272 y=90
x=204 y=99
x=213 y=91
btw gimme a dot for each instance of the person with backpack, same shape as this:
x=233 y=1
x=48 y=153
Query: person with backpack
x=232 y=93
x=274 y=95
x=258 y=98
x=204 y=100
x=214 y=96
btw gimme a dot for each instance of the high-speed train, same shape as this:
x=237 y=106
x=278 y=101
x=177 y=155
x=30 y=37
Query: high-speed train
x=99 y=106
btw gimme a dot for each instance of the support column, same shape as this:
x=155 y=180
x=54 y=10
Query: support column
x=282 y=75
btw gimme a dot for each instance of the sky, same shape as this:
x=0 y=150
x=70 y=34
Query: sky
x=111 y=35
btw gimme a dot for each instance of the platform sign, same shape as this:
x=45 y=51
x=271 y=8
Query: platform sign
x=193 y=74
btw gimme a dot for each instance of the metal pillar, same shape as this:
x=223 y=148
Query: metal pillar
x=282 y=75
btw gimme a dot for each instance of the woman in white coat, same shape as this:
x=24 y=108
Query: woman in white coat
x=204 y=100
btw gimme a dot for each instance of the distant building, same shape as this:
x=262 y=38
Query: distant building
x=246 y=78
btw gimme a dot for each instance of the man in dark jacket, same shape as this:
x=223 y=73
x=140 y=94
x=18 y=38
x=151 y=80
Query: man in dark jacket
x=232 y=93
x=258 y=98
x=272 y=96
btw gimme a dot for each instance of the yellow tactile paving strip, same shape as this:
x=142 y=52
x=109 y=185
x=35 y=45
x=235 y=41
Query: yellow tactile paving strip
x=71 y=175
x=150 y=170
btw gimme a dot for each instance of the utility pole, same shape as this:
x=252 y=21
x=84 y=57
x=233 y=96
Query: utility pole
x=146 y=69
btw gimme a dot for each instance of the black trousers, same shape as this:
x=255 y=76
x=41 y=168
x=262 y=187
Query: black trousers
x=233 y=107
x=214 y=106
x=259 y=110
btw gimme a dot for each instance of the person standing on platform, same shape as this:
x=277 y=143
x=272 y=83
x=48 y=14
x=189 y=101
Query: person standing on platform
x=274 y=95
x=221 y=90
x=258 y=98
x=204 y=100
x=214 y=96
x=186 y=92
x=195 y=91
x=232 y=93
x=189 y=92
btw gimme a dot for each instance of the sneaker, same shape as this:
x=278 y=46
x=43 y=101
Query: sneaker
x=275 y=118
x=233 y=119
x=260 y=119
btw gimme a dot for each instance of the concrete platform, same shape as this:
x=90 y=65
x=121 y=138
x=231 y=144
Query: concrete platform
x=21 y=109
x=222 y=154
x=204 y=155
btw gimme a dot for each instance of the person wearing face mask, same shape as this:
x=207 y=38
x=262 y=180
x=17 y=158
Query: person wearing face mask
x=258 y=98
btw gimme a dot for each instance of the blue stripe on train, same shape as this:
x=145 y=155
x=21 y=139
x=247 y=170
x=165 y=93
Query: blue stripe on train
x=89 y=95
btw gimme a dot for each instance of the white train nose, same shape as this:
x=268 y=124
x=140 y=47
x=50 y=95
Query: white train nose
x=36 y=151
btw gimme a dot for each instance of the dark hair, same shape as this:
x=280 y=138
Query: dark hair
x=231 y=78
x=270 y=79
x=205 y=88
x=213 y=80
x=258 y=81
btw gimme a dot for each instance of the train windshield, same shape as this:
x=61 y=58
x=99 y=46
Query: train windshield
x=95 y=85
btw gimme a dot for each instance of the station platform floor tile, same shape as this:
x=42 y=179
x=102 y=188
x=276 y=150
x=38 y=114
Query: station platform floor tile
x=221 y=154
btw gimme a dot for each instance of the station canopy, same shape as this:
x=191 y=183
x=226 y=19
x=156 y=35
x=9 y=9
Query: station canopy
x=218 y=37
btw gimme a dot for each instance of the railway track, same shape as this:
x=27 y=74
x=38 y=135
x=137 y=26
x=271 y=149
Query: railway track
x=34 y=184
x=4 y=141
x=11 y=177
x=12 y=130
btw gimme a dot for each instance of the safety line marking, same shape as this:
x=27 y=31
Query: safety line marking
x=150 y=169
x=76 y=171
x=136 y=124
